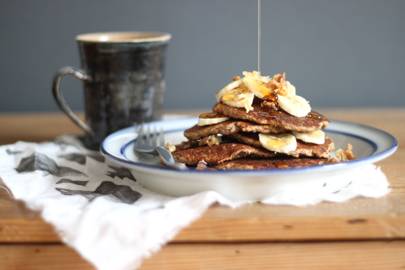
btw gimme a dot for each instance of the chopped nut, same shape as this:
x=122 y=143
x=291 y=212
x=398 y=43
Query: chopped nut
x=278 y=83
x=201 y=165
x=210 y=140
x=344 y=154
x=269 y=104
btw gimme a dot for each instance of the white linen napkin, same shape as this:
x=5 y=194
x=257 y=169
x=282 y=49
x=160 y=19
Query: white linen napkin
x=107 y=217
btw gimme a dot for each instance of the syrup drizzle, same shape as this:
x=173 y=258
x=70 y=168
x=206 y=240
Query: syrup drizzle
x=259 y=34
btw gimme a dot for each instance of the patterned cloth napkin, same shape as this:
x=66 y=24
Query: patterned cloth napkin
x=106 y=216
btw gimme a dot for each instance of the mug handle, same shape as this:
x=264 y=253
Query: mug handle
x=60 y=100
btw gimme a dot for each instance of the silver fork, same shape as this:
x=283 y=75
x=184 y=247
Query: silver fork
x=151 y=141
x=148 y=139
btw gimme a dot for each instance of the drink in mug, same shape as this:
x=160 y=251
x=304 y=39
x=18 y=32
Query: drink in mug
x=123 y=79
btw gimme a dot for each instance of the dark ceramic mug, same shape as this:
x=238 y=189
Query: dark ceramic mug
x=123 y=78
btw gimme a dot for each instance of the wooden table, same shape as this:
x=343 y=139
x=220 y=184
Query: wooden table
x=359 y=234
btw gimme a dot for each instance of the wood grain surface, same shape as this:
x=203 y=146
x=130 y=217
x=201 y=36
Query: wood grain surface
x=270 y=233
x=374 y=255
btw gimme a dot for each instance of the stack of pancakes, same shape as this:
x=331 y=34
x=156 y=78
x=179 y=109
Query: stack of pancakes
x=258 y=123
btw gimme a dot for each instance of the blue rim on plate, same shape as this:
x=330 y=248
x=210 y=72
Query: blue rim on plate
x=388 y=150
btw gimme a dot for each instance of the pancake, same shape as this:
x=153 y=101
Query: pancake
x=278 y=119
x=219 y=153
x=229 y=127
x=303 y=149
x=208 y=140
x=260 y=164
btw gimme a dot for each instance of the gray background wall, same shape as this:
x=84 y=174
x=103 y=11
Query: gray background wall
x=337 y=53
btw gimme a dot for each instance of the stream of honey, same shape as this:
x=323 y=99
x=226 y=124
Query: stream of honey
x=259 y=34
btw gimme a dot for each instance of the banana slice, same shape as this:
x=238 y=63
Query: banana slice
x=257 y=76
x=294 y=105
x=257 y=87
x=290 y=89
x=227 y=88
x=210 y=118
x=239 y=98
x=316 y=137
x=280 y=143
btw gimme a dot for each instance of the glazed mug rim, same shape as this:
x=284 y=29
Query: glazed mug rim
x=123 y=37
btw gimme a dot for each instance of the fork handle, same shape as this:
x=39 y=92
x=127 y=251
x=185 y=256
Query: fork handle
x=168 y=159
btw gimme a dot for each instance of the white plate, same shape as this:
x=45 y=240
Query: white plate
x=370 y=145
